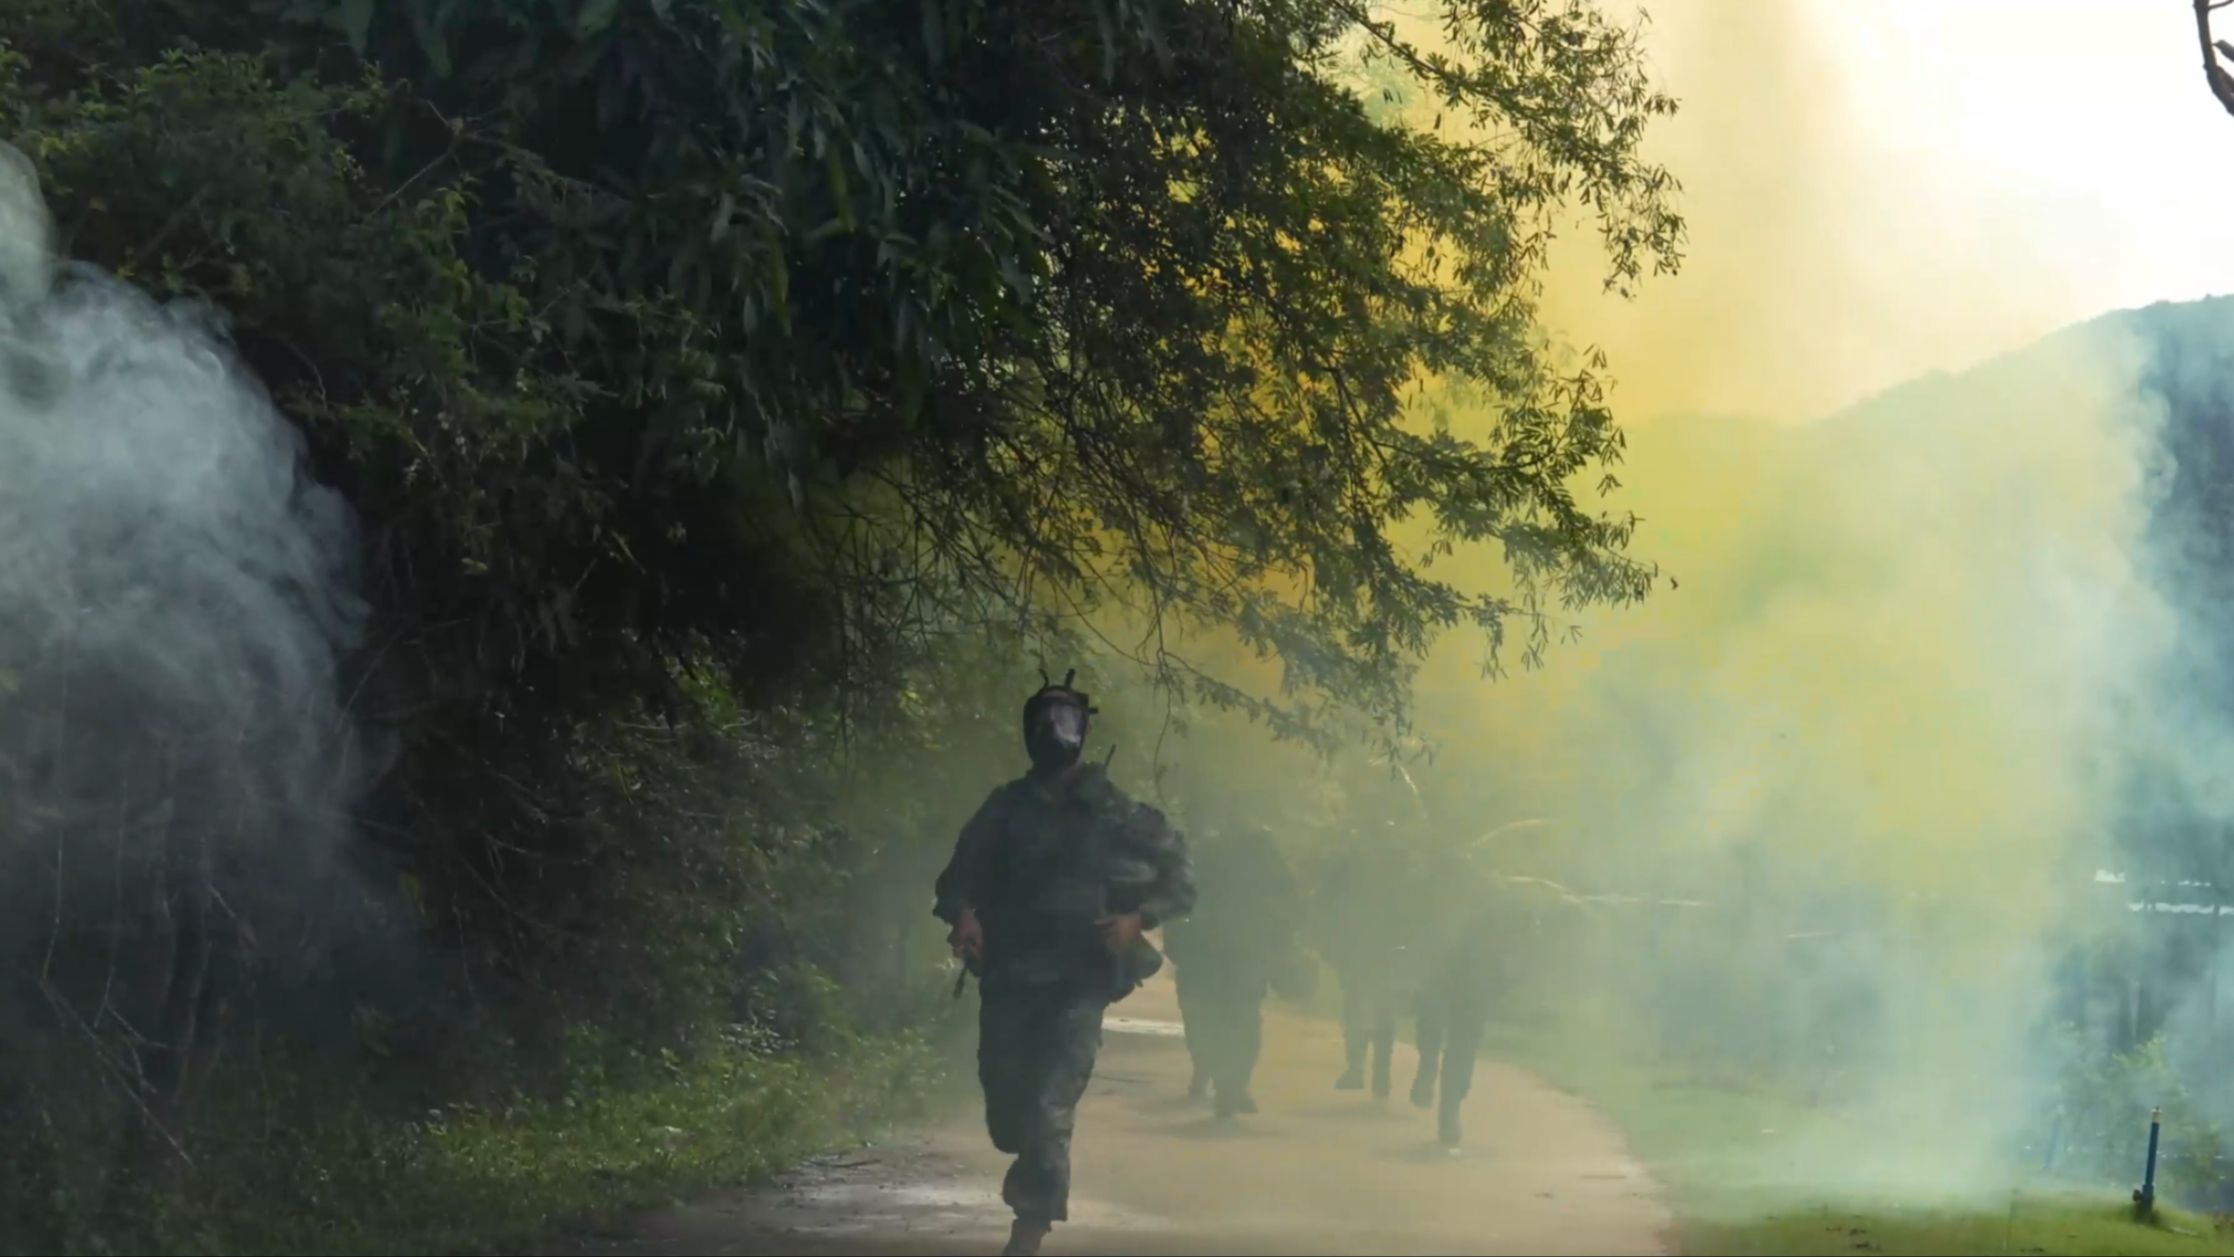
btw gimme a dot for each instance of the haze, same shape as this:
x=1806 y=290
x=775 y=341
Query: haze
x=1880 y=190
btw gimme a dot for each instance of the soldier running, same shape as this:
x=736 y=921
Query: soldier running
x=1050 y=887
x=1461 y=973
x=1363 y=932
x=1230 y=953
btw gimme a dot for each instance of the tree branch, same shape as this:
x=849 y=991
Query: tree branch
x=2222 y=83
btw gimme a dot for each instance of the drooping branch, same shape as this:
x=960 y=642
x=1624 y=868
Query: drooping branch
x=2214 y=71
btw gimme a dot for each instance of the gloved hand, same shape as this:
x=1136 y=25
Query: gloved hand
x=1120 y=931
x=967 y=938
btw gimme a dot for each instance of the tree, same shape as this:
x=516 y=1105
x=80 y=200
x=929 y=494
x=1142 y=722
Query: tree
x=791 y=335
x=698 y=367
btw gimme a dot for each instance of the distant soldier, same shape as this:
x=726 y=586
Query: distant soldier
x=1460 y=972
x=1239 y=942
x=1363 y=935
x=1050 y=887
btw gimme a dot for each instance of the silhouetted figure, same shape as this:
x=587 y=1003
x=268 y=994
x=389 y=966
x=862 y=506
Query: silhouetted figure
x=1239 y=941
x=1459 y=974
x=1363 y=936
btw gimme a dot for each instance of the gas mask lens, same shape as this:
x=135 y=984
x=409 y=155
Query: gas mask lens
x=1055 y=727
x=1062 y=725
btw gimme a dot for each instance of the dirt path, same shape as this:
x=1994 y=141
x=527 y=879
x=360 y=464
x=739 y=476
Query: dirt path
x=1317 y=1171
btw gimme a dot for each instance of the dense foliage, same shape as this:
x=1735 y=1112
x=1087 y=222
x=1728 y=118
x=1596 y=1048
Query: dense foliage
x=787 y=333
x=740 y=395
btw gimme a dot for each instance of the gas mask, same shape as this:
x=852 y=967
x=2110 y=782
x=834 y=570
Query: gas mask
x=1055 y=721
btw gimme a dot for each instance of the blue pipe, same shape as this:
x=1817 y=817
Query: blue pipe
x=2146 y=1196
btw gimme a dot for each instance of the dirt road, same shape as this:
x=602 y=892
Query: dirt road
x=1317 y=1171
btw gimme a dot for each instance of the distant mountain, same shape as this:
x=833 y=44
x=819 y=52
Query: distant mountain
x=2177 y=820
x=2188 y=349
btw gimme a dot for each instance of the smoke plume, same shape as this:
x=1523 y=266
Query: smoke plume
x=175 y=597
x=1832 y=802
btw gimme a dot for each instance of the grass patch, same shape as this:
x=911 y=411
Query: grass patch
x=317 y=1171
x=1704 y=1142
x=2037 y=1225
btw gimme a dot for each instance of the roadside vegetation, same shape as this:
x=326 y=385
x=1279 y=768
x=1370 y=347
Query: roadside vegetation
x=733 y=406
x=1709 y=1143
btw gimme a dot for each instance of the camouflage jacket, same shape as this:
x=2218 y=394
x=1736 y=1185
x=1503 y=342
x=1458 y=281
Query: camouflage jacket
x=1247 y=924
x=1464 y=922
x=1366 y=914
x=1041 y=862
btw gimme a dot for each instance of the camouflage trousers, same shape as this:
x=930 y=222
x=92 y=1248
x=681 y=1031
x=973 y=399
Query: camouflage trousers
x=1369 y=1006
x=1035 y=1055
x=1450 y=1040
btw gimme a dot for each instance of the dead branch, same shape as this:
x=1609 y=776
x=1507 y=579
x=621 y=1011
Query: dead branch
x=2214 y=72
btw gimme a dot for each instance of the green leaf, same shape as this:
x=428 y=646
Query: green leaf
x=779 y=287
x=594 y=16
x=355 y=17
x=434 y=45
x=840 y=194
x=1106 y=24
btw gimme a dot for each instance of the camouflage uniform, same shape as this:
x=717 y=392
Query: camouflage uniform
x=1041 y=862
x=1362 y=917
x=1460 y=974
x=1229 y=955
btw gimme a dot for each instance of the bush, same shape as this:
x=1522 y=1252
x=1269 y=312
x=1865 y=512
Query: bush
x=2101 y=1127
x=290 y=1156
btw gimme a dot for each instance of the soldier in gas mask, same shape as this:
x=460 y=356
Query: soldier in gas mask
x=1049 y=890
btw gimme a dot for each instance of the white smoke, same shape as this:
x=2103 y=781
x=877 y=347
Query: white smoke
x=26 y=246
x=175 y=601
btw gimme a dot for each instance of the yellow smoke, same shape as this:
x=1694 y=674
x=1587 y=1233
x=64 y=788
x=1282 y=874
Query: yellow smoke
x=1865 y=729
x=1877 y=191
x=1886 y=670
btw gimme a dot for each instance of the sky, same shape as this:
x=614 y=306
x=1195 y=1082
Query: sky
x=1879 y=190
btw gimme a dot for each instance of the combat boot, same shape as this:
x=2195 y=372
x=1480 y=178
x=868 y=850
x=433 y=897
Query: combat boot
x=1423 y=1089
x=1024 y=1236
